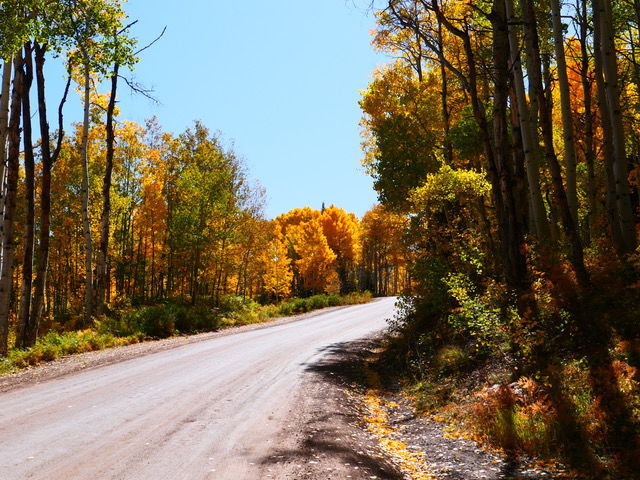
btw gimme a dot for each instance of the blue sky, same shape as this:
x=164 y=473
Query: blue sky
x=279 y=80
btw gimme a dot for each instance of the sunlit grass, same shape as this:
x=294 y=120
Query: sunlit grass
x=163 y=321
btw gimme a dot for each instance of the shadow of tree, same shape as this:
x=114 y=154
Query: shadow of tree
x=592 y=341
x=340 y=366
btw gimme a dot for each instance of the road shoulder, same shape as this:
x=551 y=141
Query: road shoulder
x=70 y=364
x=326 y=437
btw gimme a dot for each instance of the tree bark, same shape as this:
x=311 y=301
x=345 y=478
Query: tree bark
x=86 y=221
x=5 y=92
x=565 y=108
x=589 y=154
x=24 y=313
x=495 y=145
x=511 y=216
x=529 y=138
x=523 y=206
x=48 y=160
x=446 y=117
x=613 y=212
x=13 y=167
x=105 y=225
x=606 y=50
x=576 y=254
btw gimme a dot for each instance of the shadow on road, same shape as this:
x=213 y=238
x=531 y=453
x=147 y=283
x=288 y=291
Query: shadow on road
x=331 y=441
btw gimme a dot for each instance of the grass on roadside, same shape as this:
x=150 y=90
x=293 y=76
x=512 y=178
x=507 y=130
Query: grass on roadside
x=54 y=345
x=257 y=313
x=163 y=321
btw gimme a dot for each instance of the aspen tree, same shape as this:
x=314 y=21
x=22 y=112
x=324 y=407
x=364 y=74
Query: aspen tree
x=24 y=313
x=529 y=137
x=13 y=167
x=565 y=107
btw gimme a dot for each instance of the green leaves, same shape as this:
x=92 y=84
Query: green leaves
x=206 y=188
x=99 y=34
x=16 y=25
x=93 y=33
x=447 y=186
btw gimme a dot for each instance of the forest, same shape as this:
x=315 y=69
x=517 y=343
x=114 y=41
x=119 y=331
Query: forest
x=504 y=144
x=116 y=228
x=508 y=134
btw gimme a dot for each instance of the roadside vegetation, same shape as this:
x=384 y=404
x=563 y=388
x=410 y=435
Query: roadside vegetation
x=522 y=323
x=163 y=321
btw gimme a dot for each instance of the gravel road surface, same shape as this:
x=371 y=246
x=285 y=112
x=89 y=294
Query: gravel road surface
x=213 y=409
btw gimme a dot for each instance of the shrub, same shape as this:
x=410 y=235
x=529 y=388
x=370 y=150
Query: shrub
x=450 y=358
x=196 y=319
x=480 y=317
x=55 y=344
x=157 y=321
x=236 y=303
x=302 y=305
x=517 y=416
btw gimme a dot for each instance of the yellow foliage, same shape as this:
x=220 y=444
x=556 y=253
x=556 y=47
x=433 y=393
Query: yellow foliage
x=342 y=232
x=278 y=274
x=317 y=261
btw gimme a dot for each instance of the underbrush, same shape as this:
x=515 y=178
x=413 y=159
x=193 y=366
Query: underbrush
x=574 y=412
x=560 y=382
x=302 y=305
x=54 y=345
x=133 y=325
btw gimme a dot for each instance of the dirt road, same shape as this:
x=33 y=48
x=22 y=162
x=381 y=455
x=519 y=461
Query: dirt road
x=216 y=409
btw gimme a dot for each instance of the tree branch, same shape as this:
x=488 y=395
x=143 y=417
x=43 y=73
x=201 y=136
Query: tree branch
x=56 y=152
x=137 y=88
x=154 y=41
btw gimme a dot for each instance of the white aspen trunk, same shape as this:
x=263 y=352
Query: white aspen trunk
x=85 y=199
x=13 y=167
x=529 y=143
x=603 y=22
x=4 y=119
x=26 y=297
x=607 y=135
x=4 y=124
x=565 y=108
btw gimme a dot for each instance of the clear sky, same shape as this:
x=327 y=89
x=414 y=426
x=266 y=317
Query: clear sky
x=279 y=80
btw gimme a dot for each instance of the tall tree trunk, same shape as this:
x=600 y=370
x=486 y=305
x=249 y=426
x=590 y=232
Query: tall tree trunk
x=613 y=213
x=5 y=93
x=106 y=198
x=565 y=108
x=497 y=155
x=86 y=221
x=446 y=120
x=521 y=192
x=13 y=168
x=511 y=217
x=576 y=254
x=589 y=154
x=529 y=138
x=48 y=160
x=24 y=313
x=605 y=49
